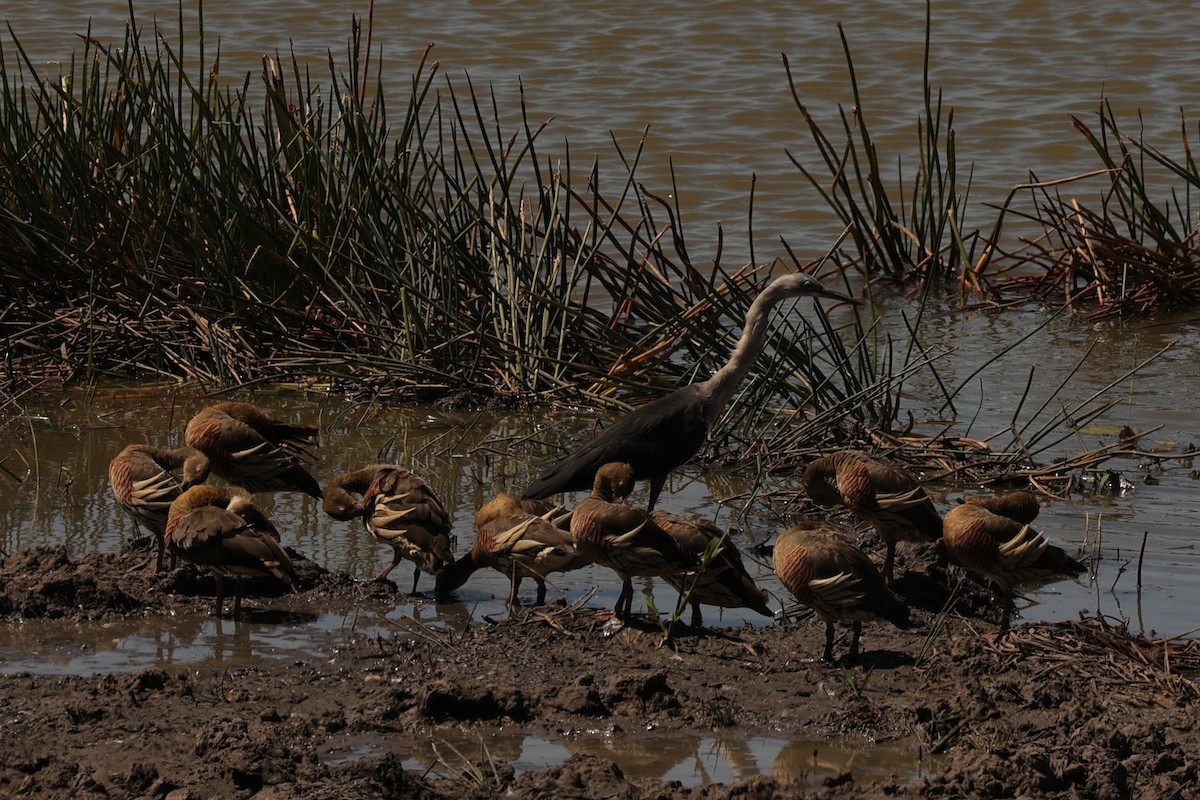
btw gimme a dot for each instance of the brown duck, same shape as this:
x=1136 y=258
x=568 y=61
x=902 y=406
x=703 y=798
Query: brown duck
x=250 y=449
x=399 y=509
x=721 y=581
x=220 y=529
x=145 y=482
x=879 y=492
x=516 y=543
x=819 y=564
x=992 y=536
x=505 y=504
x=623 y=538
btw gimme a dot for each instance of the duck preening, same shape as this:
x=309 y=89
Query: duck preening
x=623 y=538
x=825 y=571
x=878 y=491
x=720 y=577
x=992 y=536
x=248 y=448
x=145 y=480
x=399 y=509
x=220 y=529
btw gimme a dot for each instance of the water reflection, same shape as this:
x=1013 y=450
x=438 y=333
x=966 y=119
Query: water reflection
x=59 y=647
x=689 y=758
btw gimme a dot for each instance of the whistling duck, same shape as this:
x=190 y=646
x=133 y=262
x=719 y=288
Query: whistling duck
x=662 y=435
x=623 y=538
x=992 y=536
x=505 y=505
x=819 y=564
x=220 y=529
x=399 y=509
x=144 y=482
x=249 y=449
x=516 y=543
x=722 y=581
x=880 y=492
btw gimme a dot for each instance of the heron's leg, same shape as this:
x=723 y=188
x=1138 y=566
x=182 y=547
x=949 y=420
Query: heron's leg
x=656 y=485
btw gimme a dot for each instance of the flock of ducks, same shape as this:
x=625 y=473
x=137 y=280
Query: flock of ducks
x=219 y=528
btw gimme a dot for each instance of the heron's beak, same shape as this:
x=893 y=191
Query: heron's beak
x=832 y=295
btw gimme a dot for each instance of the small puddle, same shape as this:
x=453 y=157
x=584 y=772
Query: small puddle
x=62 y=647
x=693 y=760
x=270 y=629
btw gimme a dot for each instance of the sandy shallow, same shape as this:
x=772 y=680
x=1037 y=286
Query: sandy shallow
x=1069 y=709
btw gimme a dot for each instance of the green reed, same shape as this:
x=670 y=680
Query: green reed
x=911 y=234
x=164 y=221
x=228 y=233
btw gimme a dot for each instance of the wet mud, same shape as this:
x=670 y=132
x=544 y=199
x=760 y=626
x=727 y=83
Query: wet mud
x=1068 y=709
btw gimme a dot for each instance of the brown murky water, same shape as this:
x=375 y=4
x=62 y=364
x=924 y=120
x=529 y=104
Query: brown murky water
x=708 y=81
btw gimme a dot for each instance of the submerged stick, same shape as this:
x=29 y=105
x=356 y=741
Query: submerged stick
x=1141 y=557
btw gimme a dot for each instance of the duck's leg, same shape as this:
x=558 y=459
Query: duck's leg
x=396 y=558
x=857 y=629
x=219 y=601
x=237 y=597
x=827 y=656
x=888 y=561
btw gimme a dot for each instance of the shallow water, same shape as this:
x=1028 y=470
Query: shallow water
x=708 y=81
x=60 y=451
x=691 y=760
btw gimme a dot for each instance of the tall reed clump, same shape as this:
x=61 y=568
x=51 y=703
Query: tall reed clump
x=1125 y=251
x=159 y=220
x=156 y=220
x=913 y=233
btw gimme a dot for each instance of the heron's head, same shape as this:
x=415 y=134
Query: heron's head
x=798 y=284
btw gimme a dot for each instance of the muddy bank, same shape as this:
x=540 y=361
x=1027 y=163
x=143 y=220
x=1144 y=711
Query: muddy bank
x=1074 y=709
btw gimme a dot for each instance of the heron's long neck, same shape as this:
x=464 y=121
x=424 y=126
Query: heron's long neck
x=725 y=381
